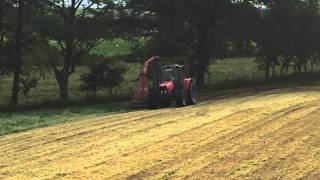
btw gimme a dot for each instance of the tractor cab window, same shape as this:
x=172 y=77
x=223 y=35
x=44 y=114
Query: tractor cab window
x=173 y=73
x=168 y=75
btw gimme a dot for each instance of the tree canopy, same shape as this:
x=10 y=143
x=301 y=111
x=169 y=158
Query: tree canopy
x=57 y=34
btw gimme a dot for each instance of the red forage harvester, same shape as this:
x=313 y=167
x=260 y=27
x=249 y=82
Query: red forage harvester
x=141 y=92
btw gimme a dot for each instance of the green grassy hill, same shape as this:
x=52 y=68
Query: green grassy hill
x=116 y=47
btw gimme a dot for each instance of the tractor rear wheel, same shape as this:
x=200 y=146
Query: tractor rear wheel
x=191 y=94
x=181 y=99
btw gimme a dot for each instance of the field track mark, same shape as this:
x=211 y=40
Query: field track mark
x=227 y=142
x=314 y=174
x=188 y=135
x=281 y=142
x=303 y=160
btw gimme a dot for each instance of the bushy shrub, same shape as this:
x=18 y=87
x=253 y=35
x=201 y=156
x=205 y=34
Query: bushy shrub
x=28 y=83
x=102 y=74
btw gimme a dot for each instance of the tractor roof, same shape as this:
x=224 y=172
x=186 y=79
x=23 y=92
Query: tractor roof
x=171 y=67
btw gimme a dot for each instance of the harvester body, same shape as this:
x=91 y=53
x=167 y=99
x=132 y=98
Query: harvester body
x=141 y=92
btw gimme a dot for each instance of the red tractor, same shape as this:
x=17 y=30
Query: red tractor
x=169 y=83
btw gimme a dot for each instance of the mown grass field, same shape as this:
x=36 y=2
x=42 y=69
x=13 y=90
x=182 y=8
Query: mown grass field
x=242 y=134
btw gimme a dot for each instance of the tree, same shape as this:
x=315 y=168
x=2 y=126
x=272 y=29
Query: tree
x=18 y=52
x=242 y=29
x=140 y=49
x=286 y=33
x=23 y=39
x=5 y=7
x=306 y=24
x=2 y=7
x=191 y=23
x=75 y=27
x=189 y=27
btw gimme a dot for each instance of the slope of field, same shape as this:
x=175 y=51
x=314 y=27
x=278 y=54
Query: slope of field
x=263 y=135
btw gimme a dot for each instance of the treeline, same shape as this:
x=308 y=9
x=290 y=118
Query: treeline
x=282 y=34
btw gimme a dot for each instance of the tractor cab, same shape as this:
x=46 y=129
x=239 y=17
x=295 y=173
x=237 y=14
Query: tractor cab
x=174 y=73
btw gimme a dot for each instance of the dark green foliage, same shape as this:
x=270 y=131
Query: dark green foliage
x=287 y=36
x=28 y=83
x=102 y=75
x=140 y=50
x=89 y=83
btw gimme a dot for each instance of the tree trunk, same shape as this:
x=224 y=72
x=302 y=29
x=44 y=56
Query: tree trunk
x=1 y=34
x=287 y=67
x=63 y=82
x=18 y=62
x=305 y=67
x=203 y=51
x=288 y=60
x=274 y=70
x=94 y=92
x=63 y=77
x=1 y=46
x=267 y=70
x=200 y=77
x=299 y=66
x=282 y=69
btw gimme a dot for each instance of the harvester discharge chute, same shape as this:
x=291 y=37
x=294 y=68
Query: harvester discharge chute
x=141 y=92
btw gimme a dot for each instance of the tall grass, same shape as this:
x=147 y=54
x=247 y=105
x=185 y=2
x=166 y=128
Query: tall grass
x=241 y=70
